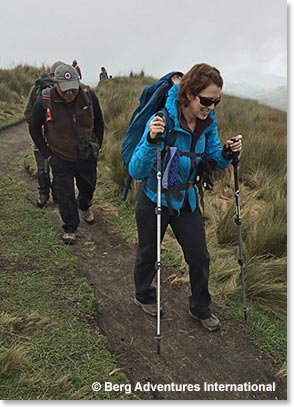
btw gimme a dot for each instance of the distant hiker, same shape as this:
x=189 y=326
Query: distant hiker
x=74 y=129
x=76 y=66
x=43 y=169
x=103 y=74
x=196 y=147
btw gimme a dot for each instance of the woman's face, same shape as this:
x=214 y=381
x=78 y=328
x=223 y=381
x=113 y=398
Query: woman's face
x=200 y=110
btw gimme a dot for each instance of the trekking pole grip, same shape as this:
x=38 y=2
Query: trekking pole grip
x=235 y=155
x=158 y=137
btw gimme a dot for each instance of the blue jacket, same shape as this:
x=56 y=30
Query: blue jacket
x=143 y=162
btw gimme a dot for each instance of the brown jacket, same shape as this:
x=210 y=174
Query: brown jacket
x=66 y=124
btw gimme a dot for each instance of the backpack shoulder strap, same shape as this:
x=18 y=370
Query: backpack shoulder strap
x=87 y=94
x=46 y=98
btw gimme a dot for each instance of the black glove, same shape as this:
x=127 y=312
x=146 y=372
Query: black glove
x=227 y=152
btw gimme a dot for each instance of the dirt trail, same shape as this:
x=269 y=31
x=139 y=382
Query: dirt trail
x=189 y=354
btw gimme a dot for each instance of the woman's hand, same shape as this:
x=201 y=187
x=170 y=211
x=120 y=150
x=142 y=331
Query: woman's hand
x=235 y=146
x=156 y=126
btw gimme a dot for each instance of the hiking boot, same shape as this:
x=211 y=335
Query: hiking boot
x=88 y=216
x=150 y=309
x=212 y=323
x=69 y=238
x=42 y=199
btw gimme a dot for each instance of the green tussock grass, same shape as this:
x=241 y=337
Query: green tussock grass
x=50 y=346
x=263 y=194
x=15 y=85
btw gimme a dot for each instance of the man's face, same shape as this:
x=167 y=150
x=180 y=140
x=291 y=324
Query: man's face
x=68 y=95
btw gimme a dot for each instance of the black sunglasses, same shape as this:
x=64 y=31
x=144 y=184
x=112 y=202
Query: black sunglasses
x=207 y=101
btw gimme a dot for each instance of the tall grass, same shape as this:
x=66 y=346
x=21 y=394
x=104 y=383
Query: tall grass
x=119 y=97
x=263 y=190
x=264 y=132
x=14 y=88
x=18 y=81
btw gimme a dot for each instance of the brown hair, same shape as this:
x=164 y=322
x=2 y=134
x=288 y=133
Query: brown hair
x=197 y=79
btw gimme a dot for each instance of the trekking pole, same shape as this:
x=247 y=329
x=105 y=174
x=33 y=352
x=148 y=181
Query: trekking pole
x=158 y=215
x=235 y=161
x=127 y=186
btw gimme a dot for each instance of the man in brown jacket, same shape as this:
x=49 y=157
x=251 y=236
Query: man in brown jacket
x=74 y=131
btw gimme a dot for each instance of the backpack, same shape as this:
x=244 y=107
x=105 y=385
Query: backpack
x=103 y=76
x=42 y=83
x=151 y=100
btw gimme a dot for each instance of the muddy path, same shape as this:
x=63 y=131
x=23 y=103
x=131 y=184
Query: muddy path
x=189 y=354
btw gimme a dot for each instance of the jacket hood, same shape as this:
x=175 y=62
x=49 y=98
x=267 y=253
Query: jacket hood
x=171 y=104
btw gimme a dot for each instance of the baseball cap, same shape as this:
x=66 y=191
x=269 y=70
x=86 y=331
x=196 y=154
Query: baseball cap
x=54 y=66
x=67 y=77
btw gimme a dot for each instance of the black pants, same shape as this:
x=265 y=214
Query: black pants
x=43 y=173
x=189 y=231
x=65 y=173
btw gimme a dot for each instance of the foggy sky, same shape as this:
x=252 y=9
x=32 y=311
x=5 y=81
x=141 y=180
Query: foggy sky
x=244 y=39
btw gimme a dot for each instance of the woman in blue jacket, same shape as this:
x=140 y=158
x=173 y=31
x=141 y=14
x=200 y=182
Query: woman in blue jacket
x=190 y=106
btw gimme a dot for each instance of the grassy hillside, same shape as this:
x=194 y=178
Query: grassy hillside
x=263 y=193
x=14 y=87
